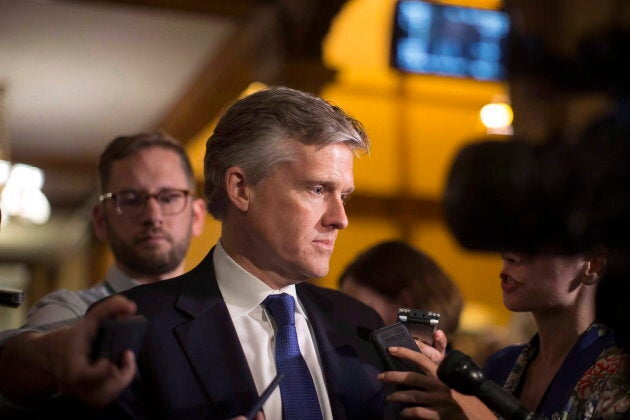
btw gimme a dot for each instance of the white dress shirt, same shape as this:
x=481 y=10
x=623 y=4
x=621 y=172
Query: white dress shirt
x=243 y=294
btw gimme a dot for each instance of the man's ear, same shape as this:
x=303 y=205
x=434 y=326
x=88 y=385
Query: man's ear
x=98 y=221
x=236 y=188
x=198 y=217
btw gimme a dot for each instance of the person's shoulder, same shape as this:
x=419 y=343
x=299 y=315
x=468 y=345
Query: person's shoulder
x=59 y=296
x=499 y=364
x=332 y=295
x=57 y=306
x=149 y=292
x=338 y=302
x=78 y=301
x=197 y=280
x=94 y=293
x=607 y=381
x=506 y=354
x=151 y=299
x=612 y=366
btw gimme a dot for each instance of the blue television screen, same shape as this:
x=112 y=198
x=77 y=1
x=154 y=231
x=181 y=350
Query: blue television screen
x=446 y=40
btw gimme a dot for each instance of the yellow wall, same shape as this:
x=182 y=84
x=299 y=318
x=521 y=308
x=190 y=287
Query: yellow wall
x=200 y=245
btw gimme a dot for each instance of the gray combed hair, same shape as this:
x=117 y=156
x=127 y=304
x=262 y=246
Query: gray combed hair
x=254 y=133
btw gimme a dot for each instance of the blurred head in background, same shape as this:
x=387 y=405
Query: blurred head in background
x=393 y=274
x=148 y=209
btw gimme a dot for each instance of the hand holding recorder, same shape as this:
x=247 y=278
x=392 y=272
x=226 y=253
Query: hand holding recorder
x=39 y=365
x=415 y=330
x=423 y=394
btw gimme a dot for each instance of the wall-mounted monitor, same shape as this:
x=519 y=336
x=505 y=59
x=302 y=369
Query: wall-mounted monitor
x=448 y=40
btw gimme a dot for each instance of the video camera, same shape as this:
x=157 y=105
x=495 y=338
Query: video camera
x=565 y=190
x=561 y=184
x=553 y=197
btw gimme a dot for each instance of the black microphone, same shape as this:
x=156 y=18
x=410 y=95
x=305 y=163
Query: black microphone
x=460 y=373
x=11 y=297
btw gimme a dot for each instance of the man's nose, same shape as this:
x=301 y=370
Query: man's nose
x=152 y=209
x=336 y=214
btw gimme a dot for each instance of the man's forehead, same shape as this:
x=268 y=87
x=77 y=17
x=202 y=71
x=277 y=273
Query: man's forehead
x=145 y=167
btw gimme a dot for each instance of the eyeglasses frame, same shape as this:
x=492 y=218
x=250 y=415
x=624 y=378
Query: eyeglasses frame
x=112 y=196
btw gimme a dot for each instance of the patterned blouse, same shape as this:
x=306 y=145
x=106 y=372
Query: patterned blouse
x=592 y=383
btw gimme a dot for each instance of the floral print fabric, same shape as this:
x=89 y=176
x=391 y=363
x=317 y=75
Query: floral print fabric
x=602 y=391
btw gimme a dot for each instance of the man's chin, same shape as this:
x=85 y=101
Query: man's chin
x=152 y=250
x=318 y=272
x=156 y=269
x=159 y=247
x=153 y=263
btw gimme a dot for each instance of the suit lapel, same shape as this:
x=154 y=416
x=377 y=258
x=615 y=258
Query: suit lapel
x=211 y=344
x=326 y=351
x=345 y=376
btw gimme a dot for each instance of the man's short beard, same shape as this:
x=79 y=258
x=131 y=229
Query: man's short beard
x=152 y=265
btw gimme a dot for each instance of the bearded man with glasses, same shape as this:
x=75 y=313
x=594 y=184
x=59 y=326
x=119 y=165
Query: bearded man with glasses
x=147 y=213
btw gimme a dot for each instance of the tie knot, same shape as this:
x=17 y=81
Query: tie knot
x=282 y=309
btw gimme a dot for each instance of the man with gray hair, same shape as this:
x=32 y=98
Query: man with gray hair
x=278 y=171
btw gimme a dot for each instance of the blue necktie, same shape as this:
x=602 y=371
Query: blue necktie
x=299 y=398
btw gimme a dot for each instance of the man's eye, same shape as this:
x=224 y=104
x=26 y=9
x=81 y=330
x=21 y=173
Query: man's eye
x=170 y=197
x=318 y=190
x=345 y=197
x=130 y=199
x=173 y=197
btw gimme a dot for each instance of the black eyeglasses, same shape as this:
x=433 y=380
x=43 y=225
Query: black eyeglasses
x=132 y=203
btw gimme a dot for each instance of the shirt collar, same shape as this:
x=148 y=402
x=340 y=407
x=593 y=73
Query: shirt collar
x=242 y=291
x=118 y=281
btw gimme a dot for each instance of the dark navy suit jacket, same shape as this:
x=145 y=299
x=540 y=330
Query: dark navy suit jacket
x=192 y=366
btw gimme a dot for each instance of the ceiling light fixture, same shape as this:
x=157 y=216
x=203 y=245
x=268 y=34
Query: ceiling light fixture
x=20 y=185
x=497 y=117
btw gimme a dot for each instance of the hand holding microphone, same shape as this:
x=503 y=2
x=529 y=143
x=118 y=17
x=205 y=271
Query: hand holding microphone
x=460 y=373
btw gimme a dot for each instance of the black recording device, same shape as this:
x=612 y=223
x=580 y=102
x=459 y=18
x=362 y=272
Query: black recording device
x=116 y=335
x=421 y=324
x=460 y=373
x=395 y=335
x=11 y=297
